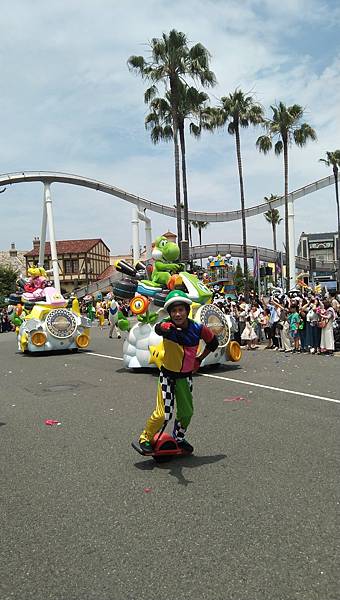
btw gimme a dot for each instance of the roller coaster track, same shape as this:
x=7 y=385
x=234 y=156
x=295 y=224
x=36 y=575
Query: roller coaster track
x=144 y=204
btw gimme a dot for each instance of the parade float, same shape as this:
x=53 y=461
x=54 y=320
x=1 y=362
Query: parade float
x=142 y=346
x=220 y=275
x=45 y=321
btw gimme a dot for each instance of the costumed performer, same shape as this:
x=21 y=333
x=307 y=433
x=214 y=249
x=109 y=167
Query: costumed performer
x=100 y=313
x=181 y=337
x=113 y=318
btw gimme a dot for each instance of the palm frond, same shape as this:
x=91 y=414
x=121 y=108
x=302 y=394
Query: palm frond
x=264 y=143
x=136 y=63
x=304 y=133
x=278 y=148
x=150 y=93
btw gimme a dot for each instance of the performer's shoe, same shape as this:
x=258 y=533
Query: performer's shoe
x=184 y=445
x=146 y=447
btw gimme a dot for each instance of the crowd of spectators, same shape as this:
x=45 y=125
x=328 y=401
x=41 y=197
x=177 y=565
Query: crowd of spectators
x=294 y=322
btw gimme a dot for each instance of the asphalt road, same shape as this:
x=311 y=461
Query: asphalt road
x=251 y=516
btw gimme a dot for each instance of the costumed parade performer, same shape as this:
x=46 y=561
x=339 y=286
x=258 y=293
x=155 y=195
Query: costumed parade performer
x=100 y=314
x=113 y=318
x=181 y=337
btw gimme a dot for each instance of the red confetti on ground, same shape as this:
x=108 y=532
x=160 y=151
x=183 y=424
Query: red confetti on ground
x=237 y=399
x=51 y=422
x=234 y=399
x=147 y=490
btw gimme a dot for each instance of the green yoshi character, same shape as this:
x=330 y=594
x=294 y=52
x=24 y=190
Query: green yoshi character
x=165 y=254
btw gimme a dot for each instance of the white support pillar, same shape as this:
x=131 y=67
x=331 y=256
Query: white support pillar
x=43 y=234
x=50 y=223
x=148 y=234
x=135 y=235
x=291 y=237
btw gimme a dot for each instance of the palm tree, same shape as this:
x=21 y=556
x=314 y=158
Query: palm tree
x=191 y=103
x=200 y=225
x=171 y=62
x=286 y=126
x=237 y=110
x=272 y=216
x=333 y=160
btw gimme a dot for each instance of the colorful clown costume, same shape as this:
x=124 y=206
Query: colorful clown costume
x=175 y=379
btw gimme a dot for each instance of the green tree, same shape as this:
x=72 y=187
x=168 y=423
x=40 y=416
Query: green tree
x=170 y=63
x=8 y=277
x=159 y=122
x=239 y=278
x=236 y=111
x=286 y=127
x=272 y=216
x=333 y=160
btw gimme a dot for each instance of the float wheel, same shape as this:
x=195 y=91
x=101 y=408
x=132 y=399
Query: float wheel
x=234 y=352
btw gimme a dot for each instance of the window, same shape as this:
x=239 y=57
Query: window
x=75 y=266
x=71 y=266
x=68 y=266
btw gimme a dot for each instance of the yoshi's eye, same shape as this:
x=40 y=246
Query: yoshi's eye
x=162 y=243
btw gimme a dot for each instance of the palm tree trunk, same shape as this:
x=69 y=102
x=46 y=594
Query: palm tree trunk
x=285 y=159
x=275 y=251
x=335 y=170
x=184 y=182
x=178 y=188
x=244 y=228
x=176 y=155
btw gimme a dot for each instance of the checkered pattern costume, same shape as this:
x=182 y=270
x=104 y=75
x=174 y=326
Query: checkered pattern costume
x=168 y=391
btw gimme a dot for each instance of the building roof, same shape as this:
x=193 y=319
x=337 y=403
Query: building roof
x=319 y=236
x=68 y=247
x=109 y=272
x=169 y=234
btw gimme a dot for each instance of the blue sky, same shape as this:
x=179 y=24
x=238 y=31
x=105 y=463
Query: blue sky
x=68 y=103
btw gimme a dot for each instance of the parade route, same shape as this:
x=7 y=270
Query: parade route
x=250 y=516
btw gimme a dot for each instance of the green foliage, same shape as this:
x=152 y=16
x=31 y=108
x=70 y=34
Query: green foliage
x=285 y=126
x=272 y=215
x=332 y=160
x=239 y=278
x=8 y=277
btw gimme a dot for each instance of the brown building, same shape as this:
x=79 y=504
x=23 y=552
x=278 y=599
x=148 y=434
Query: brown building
x=80 y=261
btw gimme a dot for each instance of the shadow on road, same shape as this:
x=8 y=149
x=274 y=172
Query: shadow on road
x=176 y=466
